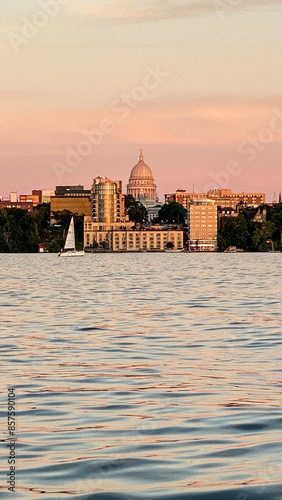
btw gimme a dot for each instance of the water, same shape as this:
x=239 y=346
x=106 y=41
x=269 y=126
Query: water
x=151 y=376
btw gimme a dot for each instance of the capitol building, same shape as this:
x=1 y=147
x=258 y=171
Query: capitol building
x=141 y=184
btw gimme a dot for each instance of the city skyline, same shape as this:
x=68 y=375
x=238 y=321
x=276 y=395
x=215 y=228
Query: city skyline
x=131 y=76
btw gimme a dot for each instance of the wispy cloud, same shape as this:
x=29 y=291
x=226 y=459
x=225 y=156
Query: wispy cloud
x=133 y=11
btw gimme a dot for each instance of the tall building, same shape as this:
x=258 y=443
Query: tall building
x=202 y=225
x=107 y=200
x=141 y=184
x=222 y=197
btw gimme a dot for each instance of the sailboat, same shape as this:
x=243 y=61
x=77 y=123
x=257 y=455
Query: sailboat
x=69 y=248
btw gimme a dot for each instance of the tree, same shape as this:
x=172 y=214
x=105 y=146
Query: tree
x=55 y=245
x=170 y=245
x=172 y=212
x=136 y=211
x=104 y=245
x=235 y=233
x=42 y=216
x=259 y=243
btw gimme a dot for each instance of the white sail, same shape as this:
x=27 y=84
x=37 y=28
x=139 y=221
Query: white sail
x=70 y=241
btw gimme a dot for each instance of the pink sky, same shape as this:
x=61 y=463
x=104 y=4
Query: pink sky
x=195 y=87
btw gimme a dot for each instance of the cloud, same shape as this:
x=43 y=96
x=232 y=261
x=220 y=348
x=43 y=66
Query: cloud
x=213 y=121
x=135 y=11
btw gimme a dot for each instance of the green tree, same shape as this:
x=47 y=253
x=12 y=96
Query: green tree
x=55 y=245
x=259 y=243
x=170 y=245
x=104 y=245
x=235 y=233
x=172 y=213
x=136 y=211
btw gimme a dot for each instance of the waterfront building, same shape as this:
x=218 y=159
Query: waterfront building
x=109 y=226
x=125 y=237
x=202 y=225
x=76 y=199
x=222 y=197
x=108 y=202
x=141 y=184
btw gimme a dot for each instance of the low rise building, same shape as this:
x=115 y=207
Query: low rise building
x=223 y=198
x=181 y=196
x=23 y=205
x=76 y=199
x=35 y=197
x=125 y=237
x=226 y=198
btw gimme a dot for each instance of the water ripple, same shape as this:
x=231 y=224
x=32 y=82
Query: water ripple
x=160 y=385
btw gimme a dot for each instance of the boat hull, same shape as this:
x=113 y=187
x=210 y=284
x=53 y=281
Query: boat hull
x=71 y=253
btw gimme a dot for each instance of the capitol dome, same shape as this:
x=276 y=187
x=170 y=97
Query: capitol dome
x=141 y=184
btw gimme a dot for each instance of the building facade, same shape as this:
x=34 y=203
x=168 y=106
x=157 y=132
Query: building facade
x=109 y=227
x=202 y=225
x=35 y=197
x=141 y=184
x=123 y=237
x=76 y=199
x=108 y=202
x=222 y=197
x=46 y=195
x=14 y=196
x=24 y=205
x=226 y=198
x=184 y=198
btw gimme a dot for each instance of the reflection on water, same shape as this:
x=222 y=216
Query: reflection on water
x=164 y=384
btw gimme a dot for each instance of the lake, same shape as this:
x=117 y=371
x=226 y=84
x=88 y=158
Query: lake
x=143 y=376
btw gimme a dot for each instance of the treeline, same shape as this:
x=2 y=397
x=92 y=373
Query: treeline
x=244 y=233
x=20 y=230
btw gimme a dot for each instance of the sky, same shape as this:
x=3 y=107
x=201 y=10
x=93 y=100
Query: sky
x=197 y=84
